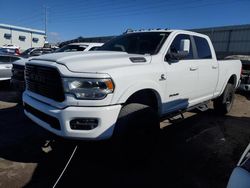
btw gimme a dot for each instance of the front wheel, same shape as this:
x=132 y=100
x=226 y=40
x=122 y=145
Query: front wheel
x=136 y=130
x=224 y=103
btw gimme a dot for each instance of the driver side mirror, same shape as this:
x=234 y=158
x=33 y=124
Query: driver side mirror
x=180 y=54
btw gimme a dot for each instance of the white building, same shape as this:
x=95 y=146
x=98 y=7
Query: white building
x=20 y=36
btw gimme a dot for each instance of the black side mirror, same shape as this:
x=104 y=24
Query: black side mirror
x=173 y=57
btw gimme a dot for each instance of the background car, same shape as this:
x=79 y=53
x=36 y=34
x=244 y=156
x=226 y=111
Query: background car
x=240 y=177
x=245 y=74
x=73 y=47
x=36 y=52
x=6 y=65
x=10 y=49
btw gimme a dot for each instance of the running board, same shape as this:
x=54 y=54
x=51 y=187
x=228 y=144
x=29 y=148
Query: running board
x=178 y=116
x=203 y=107
x=174 y=117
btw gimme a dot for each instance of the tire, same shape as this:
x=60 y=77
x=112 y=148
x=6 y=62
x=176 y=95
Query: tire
x=136 y=131
x=224 y=103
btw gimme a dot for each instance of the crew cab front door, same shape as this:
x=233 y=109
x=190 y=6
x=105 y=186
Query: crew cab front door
x=181 y=77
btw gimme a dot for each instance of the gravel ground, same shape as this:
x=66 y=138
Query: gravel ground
x=199 y=151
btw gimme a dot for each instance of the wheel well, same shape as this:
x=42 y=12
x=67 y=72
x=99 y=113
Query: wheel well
x=232 y=80
x=146 y=96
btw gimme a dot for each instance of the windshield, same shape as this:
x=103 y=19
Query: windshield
x=71 y=48
x=26 y=52
x=137 y=43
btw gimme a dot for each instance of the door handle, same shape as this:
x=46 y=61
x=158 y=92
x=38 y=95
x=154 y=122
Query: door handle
x=214 y=66
x=8 y=67
x=193 y=68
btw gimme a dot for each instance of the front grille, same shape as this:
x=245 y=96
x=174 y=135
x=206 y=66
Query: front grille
x=45 y=81
x=18 y=72
x=52 y=121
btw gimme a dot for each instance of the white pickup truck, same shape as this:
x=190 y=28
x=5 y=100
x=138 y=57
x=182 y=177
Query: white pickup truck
x=126 y=87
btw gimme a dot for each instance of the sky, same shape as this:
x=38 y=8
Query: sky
x=69 y=19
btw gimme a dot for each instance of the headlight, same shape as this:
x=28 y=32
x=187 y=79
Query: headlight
x=88 y=88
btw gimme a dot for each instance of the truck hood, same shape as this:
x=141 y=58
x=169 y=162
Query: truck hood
x=21 y=62
x=94 y=61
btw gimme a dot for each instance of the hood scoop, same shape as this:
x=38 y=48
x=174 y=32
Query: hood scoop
x=138 y=59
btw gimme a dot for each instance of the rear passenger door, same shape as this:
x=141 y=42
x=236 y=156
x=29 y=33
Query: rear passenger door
x=208 y=69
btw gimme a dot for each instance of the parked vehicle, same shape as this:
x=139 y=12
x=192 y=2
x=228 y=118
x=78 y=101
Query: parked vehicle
x=36 y=52
x=17 y=79
x=245 y=76
x=121 y=90
x=10 y=50
x=6 y=65
x=240 y=177
x=86 y=46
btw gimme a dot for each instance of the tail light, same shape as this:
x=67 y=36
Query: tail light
x=17 y=51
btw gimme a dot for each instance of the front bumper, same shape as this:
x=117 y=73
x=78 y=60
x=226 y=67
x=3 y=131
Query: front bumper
x=106 y=117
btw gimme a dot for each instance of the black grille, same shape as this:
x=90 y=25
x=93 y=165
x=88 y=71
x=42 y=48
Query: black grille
x=52 y=121
x=45 y=81
x=18 y=72
x=246 y=65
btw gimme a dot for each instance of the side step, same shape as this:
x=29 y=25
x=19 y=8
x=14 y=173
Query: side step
x=177 y=118
x=174 y=117
x=203 y=107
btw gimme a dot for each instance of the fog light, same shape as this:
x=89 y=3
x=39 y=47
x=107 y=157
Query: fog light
x=83 y=124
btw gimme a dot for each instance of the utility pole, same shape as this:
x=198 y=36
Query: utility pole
x=45 y=22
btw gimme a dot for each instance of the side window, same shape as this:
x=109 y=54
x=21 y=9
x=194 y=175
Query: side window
x=176 y=45
x=4 y=59
x=12 y=59
x=46 y=51
x=95 y=48
x=203 y=48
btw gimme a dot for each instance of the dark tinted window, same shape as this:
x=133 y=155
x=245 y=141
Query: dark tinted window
x=71 y=48
x=47 y=51
x=36 y=52
x=94 y=48
x=26 y=52
x=4 y=59
x=137 y=43
x=12 y=59
x=203 y=48
x=176 y=45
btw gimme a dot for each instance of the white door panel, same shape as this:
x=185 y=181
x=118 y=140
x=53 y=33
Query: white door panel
x=208 y=77
x=181 y=85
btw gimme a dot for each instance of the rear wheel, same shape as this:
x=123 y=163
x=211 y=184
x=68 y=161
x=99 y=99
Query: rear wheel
x=224 y=103
x=136 y=131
